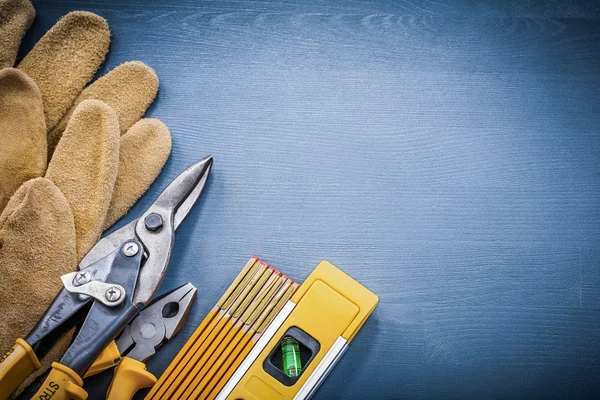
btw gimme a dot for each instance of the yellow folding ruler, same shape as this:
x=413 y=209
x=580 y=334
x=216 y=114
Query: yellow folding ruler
x=268 y=337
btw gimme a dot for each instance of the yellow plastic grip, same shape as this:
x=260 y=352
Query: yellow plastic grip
x=130 y=376
x=61 y=384
x=109 y=357
x=16 y=365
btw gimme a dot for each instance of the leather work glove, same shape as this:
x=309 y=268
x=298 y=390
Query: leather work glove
x=73 y=159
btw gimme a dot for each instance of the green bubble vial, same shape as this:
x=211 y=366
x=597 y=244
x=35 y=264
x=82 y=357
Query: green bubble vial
x=290 y=352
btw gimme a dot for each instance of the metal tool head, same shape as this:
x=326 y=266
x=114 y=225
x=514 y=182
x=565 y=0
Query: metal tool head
x=155 y=229
x=157 y=323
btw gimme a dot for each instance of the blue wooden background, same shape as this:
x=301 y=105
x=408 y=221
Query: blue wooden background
x=445 y=155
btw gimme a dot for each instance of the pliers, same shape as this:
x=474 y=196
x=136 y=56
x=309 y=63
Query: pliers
x=155 y=324
x=120 y=273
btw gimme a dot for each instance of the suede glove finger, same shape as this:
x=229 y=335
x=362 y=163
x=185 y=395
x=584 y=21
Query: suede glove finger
x=23 y=132
x=65 y=59
x=16 y=17
x=144 y=150
x=84 y=167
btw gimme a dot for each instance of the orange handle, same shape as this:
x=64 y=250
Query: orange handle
x=109 y=357
x=16 y=365
x=130 y=376
x=61 y=384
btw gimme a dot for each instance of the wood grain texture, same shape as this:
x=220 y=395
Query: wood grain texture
x=444 y=154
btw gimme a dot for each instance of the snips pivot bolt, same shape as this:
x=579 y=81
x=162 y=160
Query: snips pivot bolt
x=130 y=249
x=113 y=294
x=153 y=222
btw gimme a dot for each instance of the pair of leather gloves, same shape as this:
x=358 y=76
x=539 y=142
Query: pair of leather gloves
x=73 y=157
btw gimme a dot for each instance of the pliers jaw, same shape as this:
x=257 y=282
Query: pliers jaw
x=157 y=323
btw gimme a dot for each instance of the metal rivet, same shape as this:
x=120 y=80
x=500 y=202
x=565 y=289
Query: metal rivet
x=153 y=222
x=130 y=249
x=81 y=278
x=113 y=294
x=148 y=331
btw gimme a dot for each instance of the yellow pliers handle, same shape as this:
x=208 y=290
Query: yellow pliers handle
x=15 y=366
x=130 y=376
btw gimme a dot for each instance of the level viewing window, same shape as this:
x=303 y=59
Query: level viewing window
x=291 y=356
